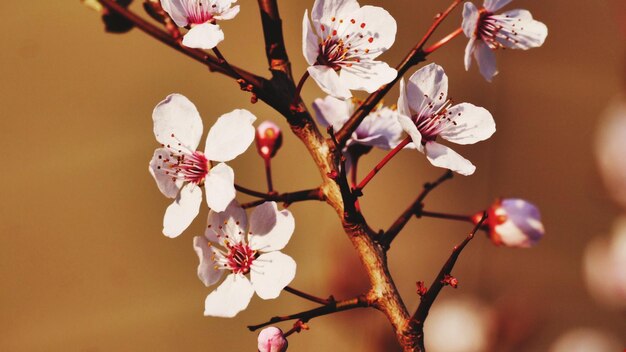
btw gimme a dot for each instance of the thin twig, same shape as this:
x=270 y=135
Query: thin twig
x=309 y=297
x=289 y=197
x=380 y=165
x=432 y=214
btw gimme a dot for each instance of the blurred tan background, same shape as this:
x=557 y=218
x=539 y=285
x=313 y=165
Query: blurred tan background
x=83 y=264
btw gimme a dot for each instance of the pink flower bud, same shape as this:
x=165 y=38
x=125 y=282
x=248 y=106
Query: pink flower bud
x=268 y=139
x=271 y=339
x=514 y=222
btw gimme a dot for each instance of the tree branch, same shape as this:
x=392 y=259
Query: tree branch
x=274 y=42
x=288 y=197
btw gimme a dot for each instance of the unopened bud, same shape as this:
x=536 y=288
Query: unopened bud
x=514 y=222
x=271 y=339
x=268 y=139
x=450 y=280
x=421 y=288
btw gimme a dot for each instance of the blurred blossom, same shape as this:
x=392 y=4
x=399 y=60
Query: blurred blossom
x=342 y=44
x=180 y=170
x=247 y=249
x=586 y=340
x=269 y=139
x=513 y=222
x=610 y=149
x=426 y=113
x=459 y=325
x=271 y=339
x=605 y=267
x=514 y=29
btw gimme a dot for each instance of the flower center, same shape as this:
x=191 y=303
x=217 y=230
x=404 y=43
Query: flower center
x=239 y=258
x=200 y=11
x=433 y=119
x=497 y=31
x=186 y=165
x=343 y=43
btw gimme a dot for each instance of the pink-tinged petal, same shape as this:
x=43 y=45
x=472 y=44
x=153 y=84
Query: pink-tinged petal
x=230 y=136
x=377 y=28
x=495 y=5
x=368 y=76
x=182 y=211
x=270 y=229
x=527 y=33
x=176 y=10
x=168 y=185
x=470 y=19
x=272 y=339
x=310 y=47
x=207 y=269
x=471 y=124
x=380 y=129
x=486 y=60
x=428 y=85
x=403 y=102
x=228 y=14
x=230 y=298
x=441 y=156
x=324 y=10
x=521 y=228
x=230 y=224
x=469 y=52
x=177 y=123
x=331 y=111
x=328 y=80
x=220 y=187
x=270 y=273
x=203 y=36
x=409 y=127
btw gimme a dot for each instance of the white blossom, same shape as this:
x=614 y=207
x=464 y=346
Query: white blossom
x=180 y=170
x=249 y=255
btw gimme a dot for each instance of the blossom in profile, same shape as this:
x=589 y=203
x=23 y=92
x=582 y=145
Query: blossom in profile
x=272 y=339
x=514 y=222
x=180 y=171
x=610 y=149
x=201 y=16
x=248 y=252
x=487 y=32
x=342 y=41
x=268 y=139
x=426 y=113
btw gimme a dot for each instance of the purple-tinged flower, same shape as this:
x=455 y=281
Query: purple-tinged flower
x=271 y=339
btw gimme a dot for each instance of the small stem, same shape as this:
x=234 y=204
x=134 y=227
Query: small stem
x=289 y=197
x=222 y=60
x=309 y=296
x=268 y=174
x=438 y=19
x=443 y=41
x=296 y=97
x=456 y=217
x=382 y=163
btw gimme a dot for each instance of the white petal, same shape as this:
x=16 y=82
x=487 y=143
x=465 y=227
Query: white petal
x=176 y=120
x=442 y=156
x=207 y=272
x=220 y=187
x=328 y=80
x=270 y=229
x=230 y=298
x=428 y=84
x=470 y=19
x=486 y=60
x=495 y=5
x=469 y=51
x=375 y=27
x=228 y=14
x=471 y=124
x=367 y=75
x=527 y=32
x=326 y=9
x=203 y=36
x=310 y=47
x=332 y=111
x=176 y=10
x=403 y=102
x=380 y=129
x=522 y=227
x=168 y=185
x=230 y=136
x=409 y=127
x=182 y=211
x=271 y=272
x=231 y=224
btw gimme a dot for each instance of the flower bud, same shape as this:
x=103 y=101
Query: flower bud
x=268 y=139
x=271 y=339
x=513 y=222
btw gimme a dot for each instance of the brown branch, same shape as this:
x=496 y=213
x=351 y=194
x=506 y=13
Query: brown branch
x=429 y=298
x=415 y=56
x=275 y=50
x=330 y=308
x=289 y=197
x=312 y=298
x=412 y=210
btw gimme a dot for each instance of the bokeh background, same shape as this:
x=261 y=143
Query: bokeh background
x=83 y=264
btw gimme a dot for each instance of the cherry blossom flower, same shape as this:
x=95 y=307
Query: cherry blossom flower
x=425 y=100
x=342 y=44
x=514 y=29
x=271 y=339
x=514 y=222
x=201 y=16
x=180 y=170
x=252 y=250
